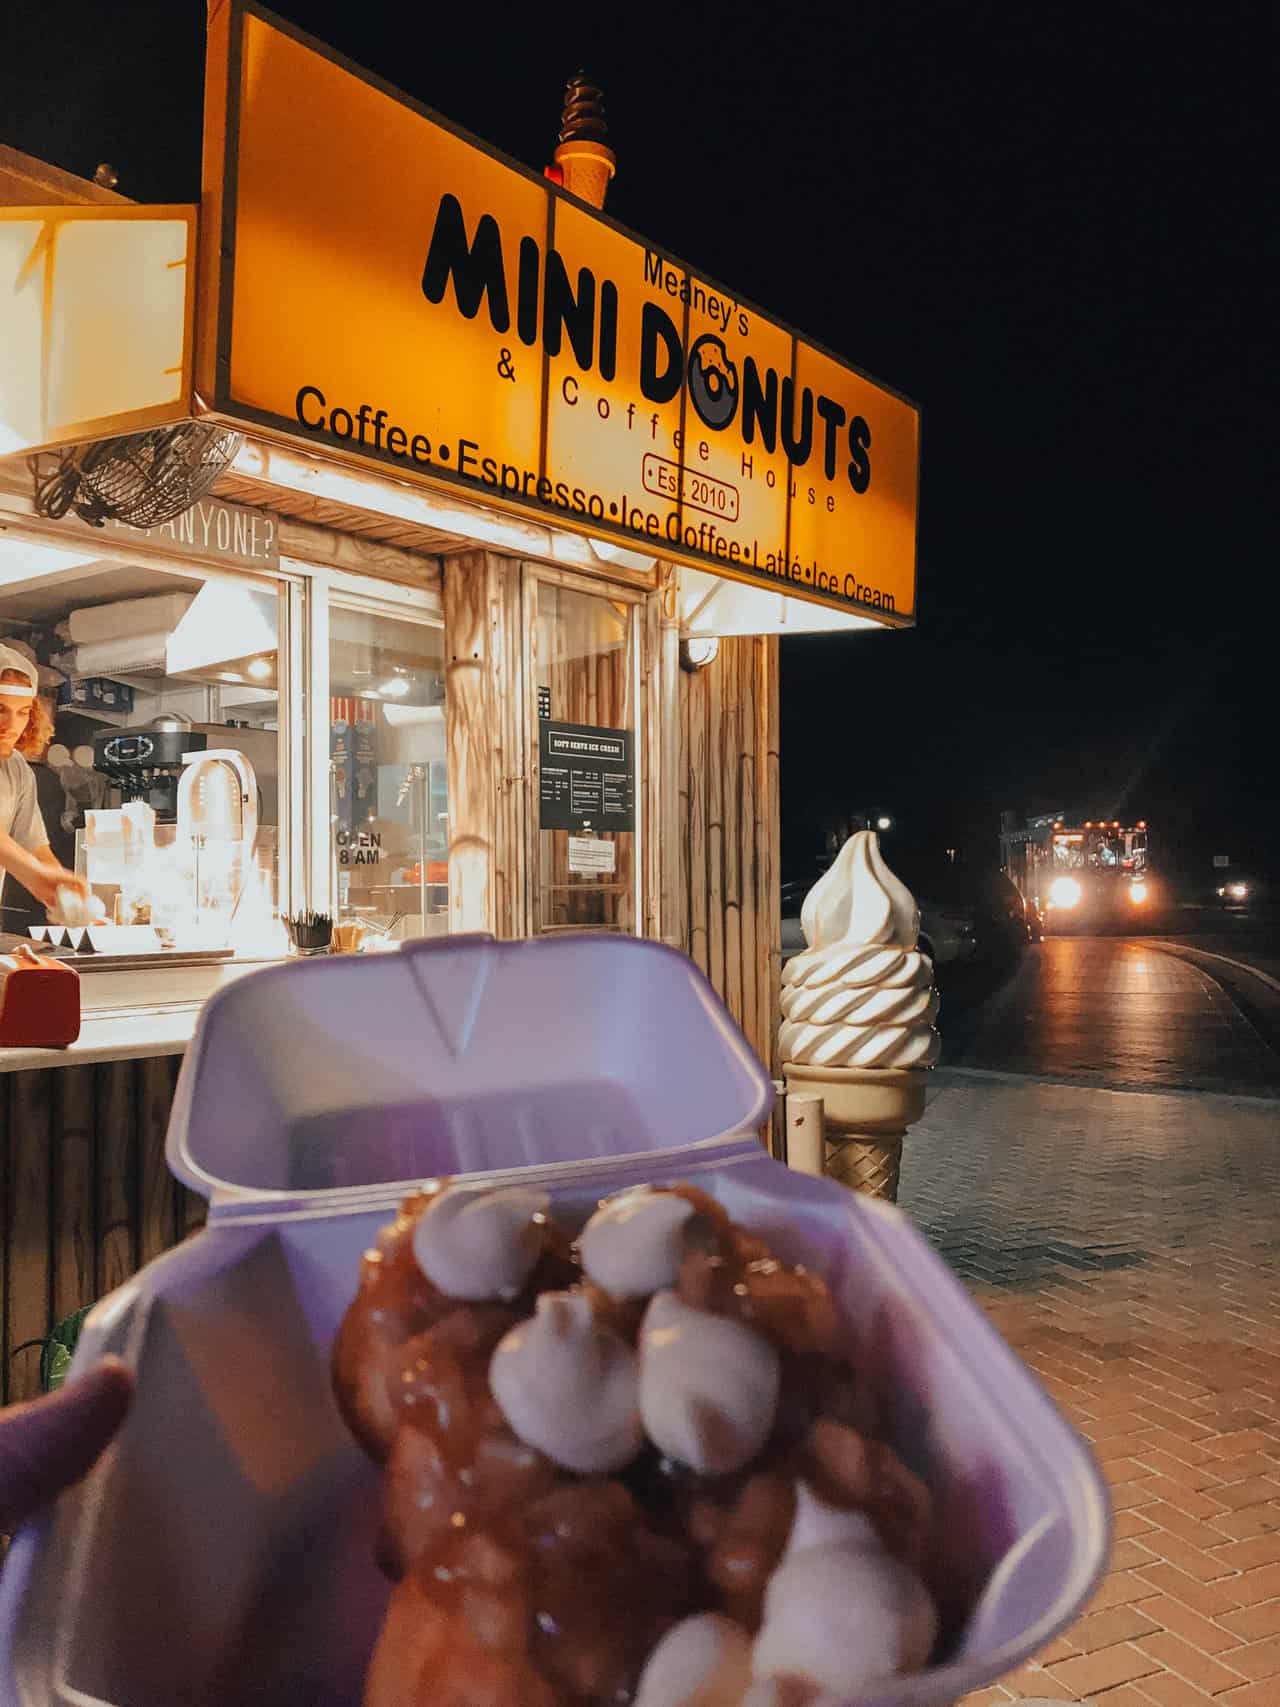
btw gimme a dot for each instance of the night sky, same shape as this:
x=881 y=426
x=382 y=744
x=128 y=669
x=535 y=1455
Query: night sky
x=1043 y=223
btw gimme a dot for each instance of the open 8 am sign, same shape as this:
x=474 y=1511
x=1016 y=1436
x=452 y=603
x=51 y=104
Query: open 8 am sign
x=395 y=291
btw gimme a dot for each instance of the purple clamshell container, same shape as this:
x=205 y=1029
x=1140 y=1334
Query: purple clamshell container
x=223 y=1548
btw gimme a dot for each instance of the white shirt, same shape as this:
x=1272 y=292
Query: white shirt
x=19 y=808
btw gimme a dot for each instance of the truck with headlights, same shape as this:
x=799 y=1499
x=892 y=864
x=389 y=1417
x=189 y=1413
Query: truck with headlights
x=1078 y=872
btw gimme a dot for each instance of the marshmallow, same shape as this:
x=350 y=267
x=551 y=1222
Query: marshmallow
x=631 y=1245
x=703 y=1661
x=478 y=1245
x=569 y=1387
x=839 y=1611
x=708 y=1386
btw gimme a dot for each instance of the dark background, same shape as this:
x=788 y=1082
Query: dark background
x=1044 y=223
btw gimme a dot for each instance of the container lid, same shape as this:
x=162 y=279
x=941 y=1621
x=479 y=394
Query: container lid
x=458 y=1055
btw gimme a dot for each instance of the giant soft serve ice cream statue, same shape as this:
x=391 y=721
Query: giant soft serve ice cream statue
x=858 y=1010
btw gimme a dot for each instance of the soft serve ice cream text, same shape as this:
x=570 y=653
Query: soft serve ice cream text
x=861 y=995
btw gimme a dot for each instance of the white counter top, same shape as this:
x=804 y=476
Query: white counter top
x=128 y=1015
x=121 y=1036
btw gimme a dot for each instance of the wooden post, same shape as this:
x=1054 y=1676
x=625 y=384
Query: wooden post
x=751 y=924
x=778 y=1123
x=806 y=1144
x=658 y=724
x=507 y=666
x=672 y=821
x=712 y=780
x=730 y=759
x=469 y=742
x=767 y=832
x=696 y=693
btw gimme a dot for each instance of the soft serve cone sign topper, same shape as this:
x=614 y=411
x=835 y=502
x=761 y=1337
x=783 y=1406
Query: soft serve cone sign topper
x=861 y=995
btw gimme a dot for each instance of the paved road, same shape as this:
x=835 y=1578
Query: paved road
x=1100 y=1163
x=1124 y=1013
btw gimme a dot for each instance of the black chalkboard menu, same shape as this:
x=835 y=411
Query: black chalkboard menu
x=587 y=777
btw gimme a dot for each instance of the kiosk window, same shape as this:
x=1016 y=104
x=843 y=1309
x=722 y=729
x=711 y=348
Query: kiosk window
x=586 y=796
x=387 y=774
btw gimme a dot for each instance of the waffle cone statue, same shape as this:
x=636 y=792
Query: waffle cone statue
x=858 y=1011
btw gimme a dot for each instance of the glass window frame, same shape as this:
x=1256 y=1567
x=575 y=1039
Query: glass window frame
x=537 y=575
x=291 y=584
x=304 y=589
x=370 y=596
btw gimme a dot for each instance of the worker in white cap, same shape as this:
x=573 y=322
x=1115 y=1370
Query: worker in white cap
x=25 y=727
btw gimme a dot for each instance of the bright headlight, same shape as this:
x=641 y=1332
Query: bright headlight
x=1065 y=892
x=1239 y=891
x=1138 y=893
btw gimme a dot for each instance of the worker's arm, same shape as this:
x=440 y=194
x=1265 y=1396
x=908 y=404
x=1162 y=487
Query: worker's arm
x=37 y=870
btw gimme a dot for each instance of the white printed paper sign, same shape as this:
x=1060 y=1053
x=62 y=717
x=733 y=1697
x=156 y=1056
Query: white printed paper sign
x=591 y=854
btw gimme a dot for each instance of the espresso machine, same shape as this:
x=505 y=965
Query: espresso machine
x=147 y=764
x=217 y=817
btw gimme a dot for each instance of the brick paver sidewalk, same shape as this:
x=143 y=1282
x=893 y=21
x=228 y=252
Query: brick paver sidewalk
x=1128 y=1245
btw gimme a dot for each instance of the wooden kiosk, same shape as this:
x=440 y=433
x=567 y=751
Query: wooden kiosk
x=602 y=486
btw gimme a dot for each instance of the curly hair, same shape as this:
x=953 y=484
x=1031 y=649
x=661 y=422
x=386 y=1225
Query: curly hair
x=38 y=733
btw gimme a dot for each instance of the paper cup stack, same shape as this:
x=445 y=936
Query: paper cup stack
x=858 y=1009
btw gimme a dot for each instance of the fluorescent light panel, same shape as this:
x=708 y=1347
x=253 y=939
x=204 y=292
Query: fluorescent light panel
x=20 y=561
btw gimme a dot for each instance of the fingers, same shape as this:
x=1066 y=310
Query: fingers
x=49 y=1443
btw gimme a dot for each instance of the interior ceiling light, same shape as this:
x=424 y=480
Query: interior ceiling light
x=261 y=669
x=395 y=687
x=21 y=562
x=411 y=716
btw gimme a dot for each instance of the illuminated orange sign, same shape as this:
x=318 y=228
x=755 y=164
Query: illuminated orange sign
x=394 y=291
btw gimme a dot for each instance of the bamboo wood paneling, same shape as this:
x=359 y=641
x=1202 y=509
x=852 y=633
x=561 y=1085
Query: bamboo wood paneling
x=656 y=748
x=695 y=800
x=731 y=757
x=768 y=845
x=472 y=742
x=160 y=1192
x=85 y=1195
x=74 y=1189
x=511 y=865
x=668 y=846
x=726 y=838
x=748 y=848
x=117 y=1177
x=29 y=1238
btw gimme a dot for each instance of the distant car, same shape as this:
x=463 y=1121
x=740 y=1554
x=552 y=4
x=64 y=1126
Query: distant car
x=1238 y=891
x=948 y=935
x=977 y=902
